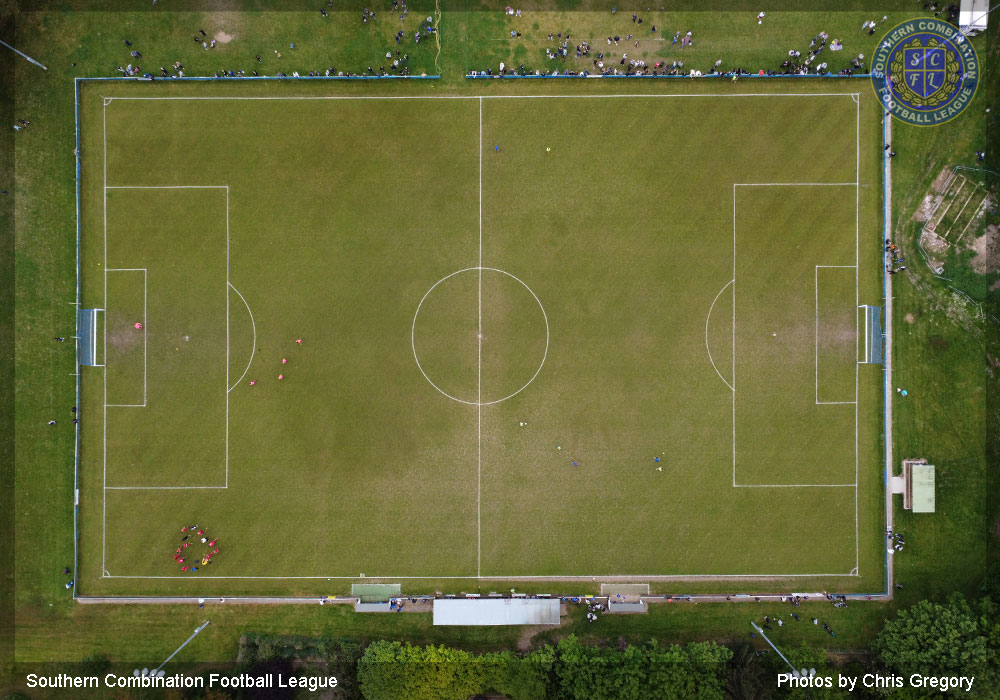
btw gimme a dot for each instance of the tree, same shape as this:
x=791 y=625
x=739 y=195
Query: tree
x=696 y=670
x=641 y=671
x=380 y=671
x=934 y=638
x=390 y=670
x=568 y=671
x=95 y=664
x=520 y=677
x=582 y=672
x=745 y=675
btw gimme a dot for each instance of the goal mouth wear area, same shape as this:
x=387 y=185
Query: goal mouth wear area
x=87 y=331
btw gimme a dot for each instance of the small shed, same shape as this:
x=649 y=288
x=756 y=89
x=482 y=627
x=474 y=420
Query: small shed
x=496 y=611
x=972 y=16
x=375 y=592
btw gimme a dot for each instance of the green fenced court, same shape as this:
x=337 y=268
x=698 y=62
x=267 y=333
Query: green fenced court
x=382 y=332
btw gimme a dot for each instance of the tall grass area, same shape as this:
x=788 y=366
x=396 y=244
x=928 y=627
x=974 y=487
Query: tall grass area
x=946 y=357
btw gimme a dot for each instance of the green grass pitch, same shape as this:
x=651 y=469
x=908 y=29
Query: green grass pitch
x=510 y=307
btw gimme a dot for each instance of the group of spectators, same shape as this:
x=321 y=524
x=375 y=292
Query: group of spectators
x=607 y=62
x=397 y=62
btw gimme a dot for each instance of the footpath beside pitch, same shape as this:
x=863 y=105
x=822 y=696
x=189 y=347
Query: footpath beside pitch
x=889 y=470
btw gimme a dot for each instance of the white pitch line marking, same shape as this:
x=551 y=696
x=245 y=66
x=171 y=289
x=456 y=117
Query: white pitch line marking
x=816 y=340
x=490 y=97
x=479 y=367
x=104 y=422
x=867 y=340
x=228 y=285
x=562 y=577
x=145 y=335
x=581 y=577
x=798 y=184
x=857 y=300
x=733 y=385
x=166 y=187
x=707 y=348
x=793 y=486
x=252 y=325
x=160 y=488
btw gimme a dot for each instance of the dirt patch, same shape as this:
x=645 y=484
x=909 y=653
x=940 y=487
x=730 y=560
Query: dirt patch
x=125 y=338
x=987 y=248
x=933 y=243
x=995 y=286
x=926 y=208
x=993 y=360
x=938 y=343
x=223 y=25
x=935 y=247
x=941 y=180
x=527 y=634
x=909 y=319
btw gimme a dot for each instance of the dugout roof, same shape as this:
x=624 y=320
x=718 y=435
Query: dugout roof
x=923 y=488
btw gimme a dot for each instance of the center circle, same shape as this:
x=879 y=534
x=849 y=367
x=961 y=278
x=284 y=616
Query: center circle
x=480 y=336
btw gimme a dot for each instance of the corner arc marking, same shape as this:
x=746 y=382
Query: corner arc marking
x=252 y=325
x=708 y=318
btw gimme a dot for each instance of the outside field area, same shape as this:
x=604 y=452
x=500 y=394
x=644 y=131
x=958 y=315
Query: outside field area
x=585 y=335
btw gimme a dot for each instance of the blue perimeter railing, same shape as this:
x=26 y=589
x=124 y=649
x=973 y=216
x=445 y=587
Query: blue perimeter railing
x=716 y=76
x=196 y=78
x=78 y=81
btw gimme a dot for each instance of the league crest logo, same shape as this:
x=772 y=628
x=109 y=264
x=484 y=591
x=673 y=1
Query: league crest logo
x=925 y=72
